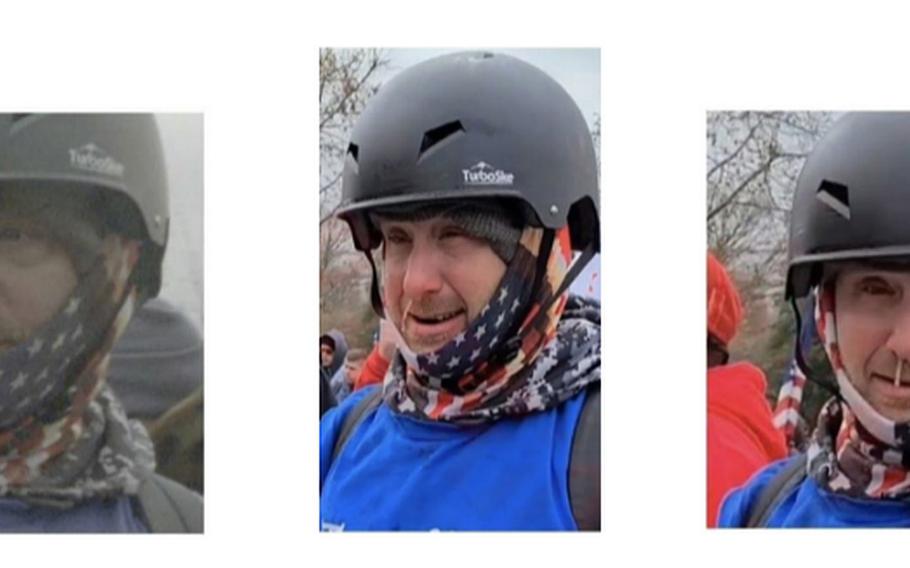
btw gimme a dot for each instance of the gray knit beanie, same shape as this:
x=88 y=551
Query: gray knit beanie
x=489 y=220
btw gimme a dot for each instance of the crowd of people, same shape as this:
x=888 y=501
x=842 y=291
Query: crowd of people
x=344 y=370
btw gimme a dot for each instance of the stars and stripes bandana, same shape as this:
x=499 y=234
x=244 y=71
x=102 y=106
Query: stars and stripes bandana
x=63 y=435
x=855 y=450
x=548 y=358
x=790 y=395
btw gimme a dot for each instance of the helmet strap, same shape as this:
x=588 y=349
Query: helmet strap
x=543 y=257
x=586 y=255
x=510 y=347
x=800 y=358
x=375 y=296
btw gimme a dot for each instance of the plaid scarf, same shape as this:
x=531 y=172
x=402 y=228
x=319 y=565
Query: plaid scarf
x=855 y=451
x=63 y=435
x=491 y=369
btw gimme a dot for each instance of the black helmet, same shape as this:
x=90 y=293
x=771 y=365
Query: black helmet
x=853 y=197
x=473 y=125
x=113 y=161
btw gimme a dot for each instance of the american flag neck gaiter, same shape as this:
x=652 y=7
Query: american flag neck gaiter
x=467 y=381
x=855 y=451
x=63 y=435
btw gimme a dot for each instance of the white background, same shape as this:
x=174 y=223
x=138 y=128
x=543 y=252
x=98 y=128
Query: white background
x=252 y=69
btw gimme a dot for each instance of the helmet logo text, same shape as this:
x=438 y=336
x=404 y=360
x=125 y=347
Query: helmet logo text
x=91 y=158
x=483 y=173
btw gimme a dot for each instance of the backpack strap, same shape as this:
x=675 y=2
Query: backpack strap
x=584 y=464
x=354 y=418
x=778 y=489
x=169 y=507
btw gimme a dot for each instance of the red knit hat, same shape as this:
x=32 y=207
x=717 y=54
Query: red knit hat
x=725 y=311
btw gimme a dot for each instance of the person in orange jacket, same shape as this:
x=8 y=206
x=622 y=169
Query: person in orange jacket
x=742 y=437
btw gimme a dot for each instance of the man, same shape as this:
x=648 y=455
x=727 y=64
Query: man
x=344 y=379
x=83 y=225
x=332 y=350
x=850 y=248
x=326 y=351
x=476 y=173
x=742 y=438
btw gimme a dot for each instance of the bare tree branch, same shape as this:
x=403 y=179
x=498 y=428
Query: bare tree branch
x=325 y=187
x=745 y=183
x=353 y=87
x=735 y=152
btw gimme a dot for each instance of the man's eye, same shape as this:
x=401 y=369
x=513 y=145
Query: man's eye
x=451 y=233
x=875 y=287
x=396 y=238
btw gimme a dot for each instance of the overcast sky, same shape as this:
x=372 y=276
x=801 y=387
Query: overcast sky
x=182 y=285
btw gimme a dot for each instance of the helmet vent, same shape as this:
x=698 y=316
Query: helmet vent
x=20 y=120
x=836 y=196
x=353 y=152
x=433 y=139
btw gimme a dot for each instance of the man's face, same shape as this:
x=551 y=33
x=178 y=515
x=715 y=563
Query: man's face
x=352 y=370
x=437 y=278
x=326 y=354
x=36 y=278
x=873 y=329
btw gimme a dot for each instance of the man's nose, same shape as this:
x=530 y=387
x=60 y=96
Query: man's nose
x=899 y=340
x=423 y=274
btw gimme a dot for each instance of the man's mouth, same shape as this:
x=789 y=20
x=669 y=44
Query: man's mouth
x=436 y=318
x=903 y=384
x=434 y=329
x=890 y=398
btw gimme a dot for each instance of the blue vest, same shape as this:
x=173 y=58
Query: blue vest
x=93 y=516
x=809 y=505
x=400 y=473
